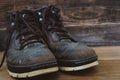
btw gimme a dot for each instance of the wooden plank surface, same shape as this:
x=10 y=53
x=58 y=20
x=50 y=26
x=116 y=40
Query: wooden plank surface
x=108 y=53
x=109 y=68
x=93 y=25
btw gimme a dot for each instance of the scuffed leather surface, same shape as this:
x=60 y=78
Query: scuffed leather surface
x=73 y=51
x=34 y=54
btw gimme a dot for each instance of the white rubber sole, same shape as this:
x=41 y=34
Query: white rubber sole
x=33 y=73
x=79 y=67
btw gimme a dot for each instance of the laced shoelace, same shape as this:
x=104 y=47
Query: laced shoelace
x=56 y=23
x=27 y=29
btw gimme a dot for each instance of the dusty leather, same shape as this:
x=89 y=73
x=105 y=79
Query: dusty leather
x=33 y=56
x=67 y=52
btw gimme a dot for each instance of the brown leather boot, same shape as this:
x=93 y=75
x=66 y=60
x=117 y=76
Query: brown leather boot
x=71 y=54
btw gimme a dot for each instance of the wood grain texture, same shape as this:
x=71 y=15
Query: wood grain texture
x=93 y=24
x=108 y=52
x=109 y=68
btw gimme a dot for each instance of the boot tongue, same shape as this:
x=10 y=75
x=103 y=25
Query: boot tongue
x=28 y=17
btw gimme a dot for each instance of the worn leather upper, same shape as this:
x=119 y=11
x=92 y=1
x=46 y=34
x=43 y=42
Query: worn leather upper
x=32 y=54
x=65 y=49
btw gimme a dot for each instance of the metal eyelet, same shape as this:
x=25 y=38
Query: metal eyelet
x=40 y=19
x=53 y=12
x=23 y=15
x=12 y=24
x=39 y=13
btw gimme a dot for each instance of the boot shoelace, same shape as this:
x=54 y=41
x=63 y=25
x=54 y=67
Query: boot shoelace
x=54 y=23
x=27 y=29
